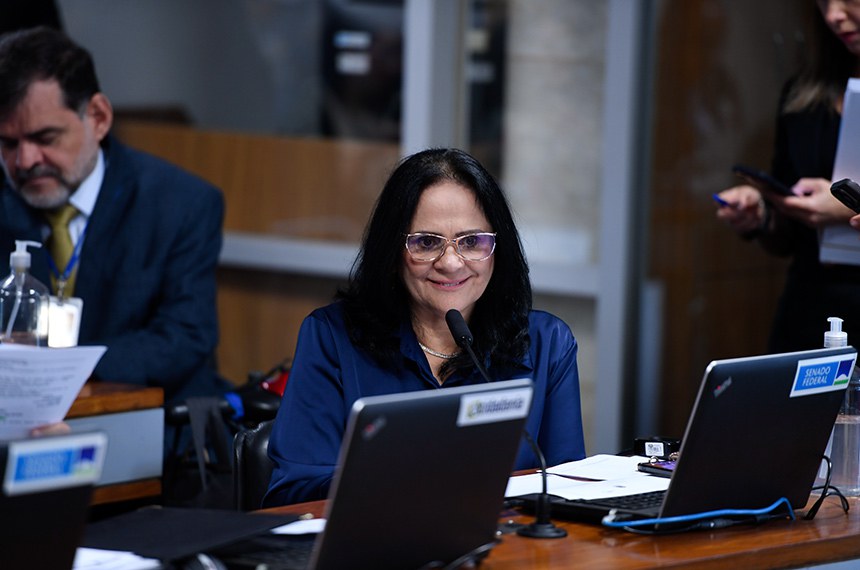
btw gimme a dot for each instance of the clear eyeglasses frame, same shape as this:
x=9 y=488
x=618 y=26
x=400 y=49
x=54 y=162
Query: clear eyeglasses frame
x=469 y=247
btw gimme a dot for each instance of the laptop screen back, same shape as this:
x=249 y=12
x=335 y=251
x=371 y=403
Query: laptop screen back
x=47 y=484
x=758 y=430
x=422 y=476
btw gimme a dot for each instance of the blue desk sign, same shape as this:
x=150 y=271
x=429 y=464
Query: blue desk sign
x=54 y=462
x=825 y=374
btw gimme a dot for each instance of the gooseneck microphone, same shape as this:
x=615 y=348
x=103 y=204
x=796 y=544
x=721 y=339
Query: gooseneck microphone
x=542 y=527
x=463 y=337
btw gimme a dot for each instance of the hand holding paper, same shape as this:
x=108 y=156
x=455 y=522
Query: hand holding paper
x=39 y=385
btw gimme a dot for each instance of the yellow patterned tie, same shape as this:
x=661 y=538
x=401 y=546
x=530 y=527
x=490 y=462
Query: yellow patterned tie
x=60 y=246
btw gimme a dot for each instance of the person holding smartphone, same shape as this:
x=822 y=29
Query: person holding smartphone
x=807 y=132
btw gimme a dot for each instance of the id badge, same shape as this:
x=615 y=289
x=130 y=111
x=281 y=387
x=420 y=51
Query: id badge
x=64 y=321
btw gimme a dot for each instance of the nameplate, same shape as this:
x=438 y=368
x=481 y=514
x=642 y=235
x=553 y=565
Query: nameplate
x=825 y=374
x=41 y=464
x=489 y=407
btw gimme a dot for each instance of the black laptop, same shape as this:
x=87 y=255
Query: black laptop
x=420 y=482
x=758 y=430
x=47 y=486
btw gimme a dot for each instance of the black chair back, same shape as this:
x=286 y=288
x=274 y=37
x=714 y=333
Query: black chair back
x=252 y=467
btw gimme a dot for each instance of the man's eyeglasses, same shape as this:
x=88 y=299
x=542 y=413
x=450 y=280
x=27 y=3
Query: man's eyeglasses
x=471 y=247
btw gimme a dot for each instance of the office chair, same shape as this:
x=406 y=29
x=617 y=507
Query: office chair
x=252 y=467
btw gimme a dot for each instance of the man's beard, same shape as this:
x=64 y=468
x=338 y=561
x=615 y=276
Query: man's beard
x=42 y=199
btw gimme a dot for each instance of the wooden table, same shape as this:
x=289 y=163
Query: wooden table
x=833 y=536
x=97 y=398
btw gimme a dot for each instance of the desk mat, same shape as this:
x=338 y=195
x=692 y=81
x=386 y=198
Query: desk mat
x=175 y=533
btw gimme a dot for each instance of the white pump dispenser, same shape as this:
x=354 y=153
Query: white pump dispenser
x=835 y=337
x=24 y=301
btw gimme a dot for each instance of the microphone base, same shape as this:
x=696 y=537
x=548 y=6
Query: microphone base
x=542 y=530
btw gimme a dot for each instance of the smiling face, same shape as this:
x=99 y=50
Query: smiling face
x=49 y=149
x=843 y=19
x=450 y=210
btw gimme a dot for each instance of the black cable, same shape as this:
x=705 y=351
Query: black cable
x=474 y=556
x=827 y=490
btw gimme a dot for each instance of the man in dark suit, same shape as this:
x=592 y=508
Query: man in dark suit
x=146 y=235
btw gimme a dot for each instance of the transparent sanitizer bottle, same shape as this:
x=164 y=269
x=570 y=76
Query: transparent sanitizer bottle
x=844 y=447
x=24 y=301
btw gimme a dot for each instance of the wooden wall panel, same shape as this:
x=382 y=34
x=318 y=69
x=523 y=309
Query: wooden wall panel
x=276 y=186
x=720 y=65
x=313 y=188
x=260 y=313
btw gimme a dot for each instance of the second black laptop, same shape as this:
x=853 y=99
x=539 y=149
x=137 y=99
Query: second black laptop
x=757 y=434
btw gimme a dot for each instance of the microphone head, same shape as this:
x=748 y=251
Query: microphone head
x=459 y=329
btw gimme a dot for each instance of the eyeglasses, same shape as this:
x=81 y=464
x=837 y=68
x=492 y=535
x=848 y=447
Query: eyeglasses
x=470 y=247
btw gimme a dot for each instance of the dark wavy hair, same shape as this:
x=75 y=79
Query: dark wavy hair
x=43 y=54
x=826 y=70
x=376 y=301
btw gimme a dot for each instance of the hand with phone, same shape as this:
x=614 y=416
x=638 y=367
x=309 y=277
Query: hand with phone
x=761 y=180
x=742 y=208
x=848 y=192
x=745 y=207
x=814 y=205
x=809 y=201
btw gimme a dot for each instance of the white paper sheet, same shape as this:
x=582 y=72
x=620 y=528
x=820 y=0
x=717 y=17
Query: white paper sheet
x=96 y=559
x=841 y=243
x=302 y=526
x=598 y=476
x=602 y=467
x=39 y=385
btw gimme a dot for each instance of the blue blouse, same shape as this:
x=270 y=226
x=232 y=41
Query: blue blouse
x=329 y=373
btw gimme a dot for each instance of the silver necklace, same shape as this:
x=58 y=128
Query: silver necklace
x=435 y=353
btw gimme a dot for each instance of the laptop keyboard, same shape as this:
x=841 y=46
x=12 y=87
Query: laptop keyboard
x=272 y=552
x=641 y=501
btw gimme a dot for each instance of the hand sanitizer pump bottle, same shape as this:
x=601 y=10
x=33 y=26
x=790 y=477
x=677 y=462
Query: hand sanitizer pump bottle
x=24 y=301
x=845 y=441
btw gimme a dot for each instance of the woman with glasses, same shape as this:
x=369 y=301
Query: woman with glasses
x=441 y=237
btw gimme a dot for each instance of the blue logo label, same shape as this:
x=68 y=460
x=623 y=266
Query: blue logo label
x=36 y=463
x=822 y=375
x=54 y=463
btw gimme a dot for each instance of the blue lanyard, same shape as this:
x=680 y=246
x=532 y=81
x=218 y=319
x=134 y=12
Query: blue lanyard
x=70 y=266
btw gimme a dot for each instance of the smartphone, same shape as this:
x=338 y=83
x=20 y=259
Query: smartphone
x=761 y=180
x=848 y=192
x=662 y=468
